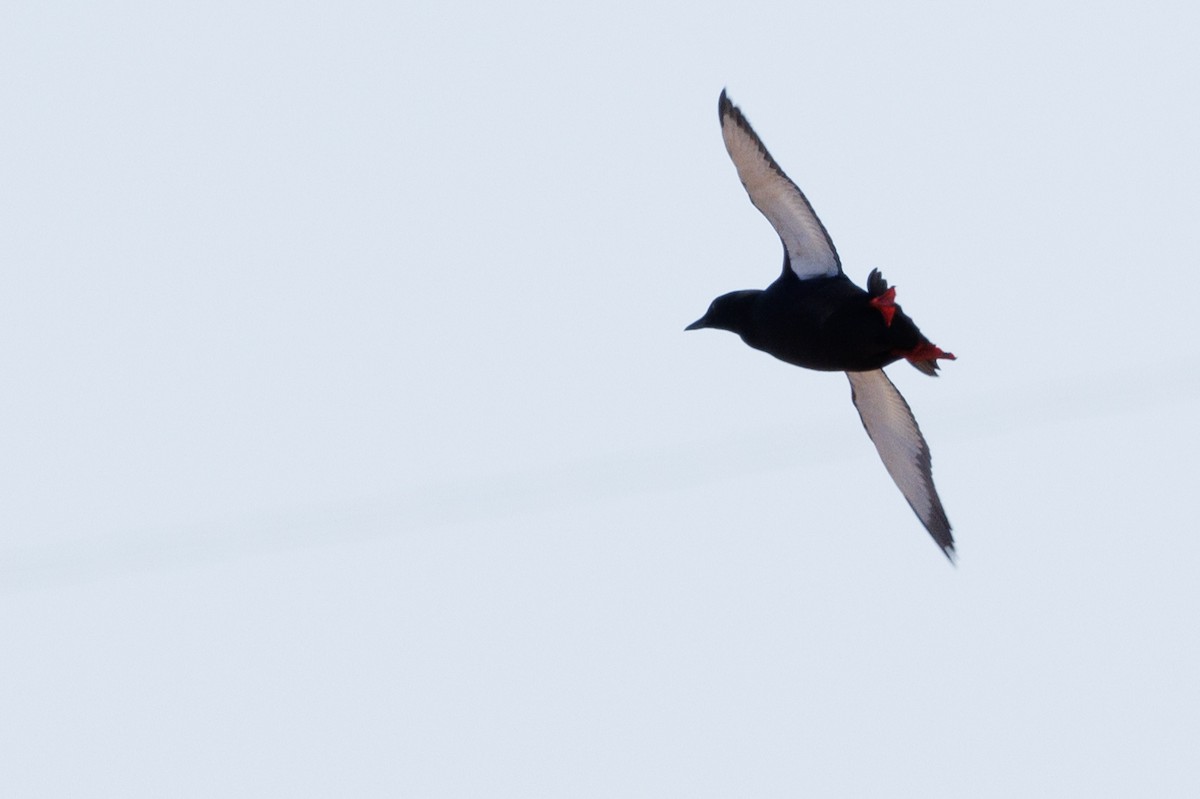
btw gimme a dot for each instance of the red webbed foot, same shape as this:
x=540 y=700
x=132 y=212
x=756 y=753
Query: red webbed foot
x=926 y=351
x=886 y=303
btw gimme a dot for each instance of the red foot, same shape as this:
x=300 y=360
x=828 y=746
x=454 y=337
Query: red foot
x=927 y=351
x=886 y=303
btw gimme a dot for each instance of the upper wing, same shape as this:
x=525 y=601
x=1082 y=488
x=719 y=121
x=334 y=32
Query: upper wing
x=809 y=249
x=890 y=424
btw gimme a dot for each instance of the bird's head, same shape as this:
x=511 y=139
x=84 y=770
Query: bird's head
x=730 y=312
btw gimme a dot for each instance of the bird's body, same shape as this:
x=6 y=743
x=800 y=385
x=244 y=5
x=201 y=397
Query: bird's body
x=815 y=317
x=824 y=323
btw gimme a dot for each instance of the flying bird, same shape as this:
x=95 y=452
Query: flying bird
x=813 y=316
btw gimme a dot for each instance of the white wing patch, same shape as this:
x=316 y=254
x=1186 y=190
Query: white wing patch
x=810 y=250
x=893 y=429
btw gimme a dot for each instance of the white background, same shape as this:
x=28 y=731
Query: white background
x=352 y=445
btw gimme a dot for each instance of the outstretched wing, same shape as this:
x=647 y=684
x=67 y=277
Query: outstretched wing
x=810 y=251
x=891 y=426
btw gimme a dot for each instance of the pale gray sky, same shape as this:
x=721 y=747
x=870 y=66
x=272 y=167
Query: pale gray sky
x=353 y=445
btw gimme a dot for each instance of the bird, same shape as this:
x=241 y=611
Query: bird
x=815 y=317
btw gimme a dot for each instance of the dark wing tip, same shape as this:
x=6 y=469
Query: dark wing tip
x=939 y=529
x=950 y=553
x=936 y=523
x=727 y=110
x=725 y=107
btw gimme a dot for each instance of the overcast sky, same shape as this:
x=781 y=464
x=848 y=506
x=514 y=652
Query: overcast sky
x=352 y=444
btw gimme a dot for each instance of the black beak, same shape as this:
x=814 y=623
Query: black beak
x=699 y=323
